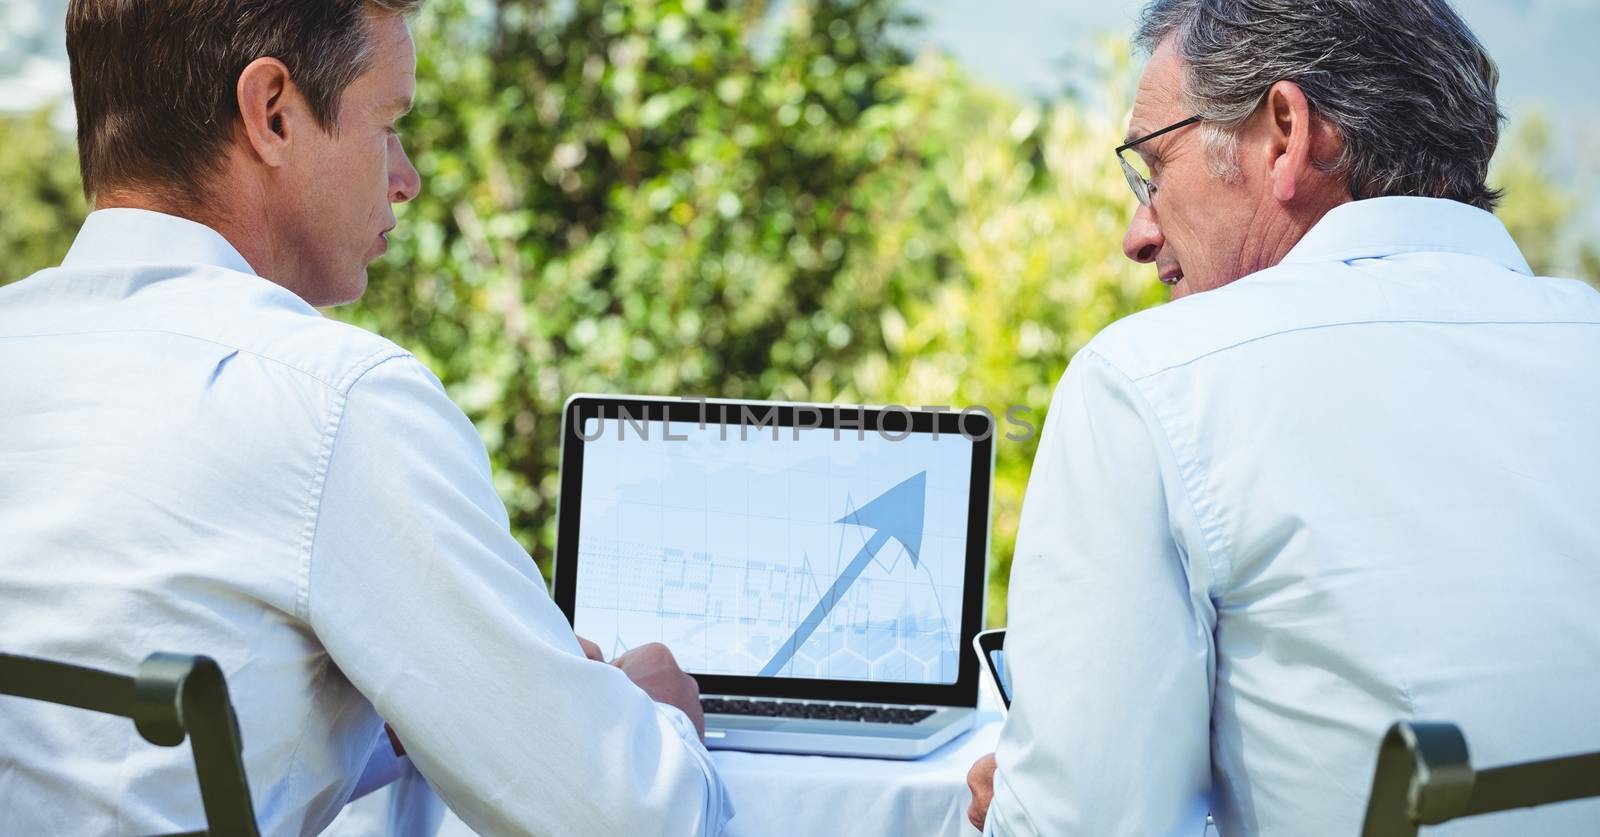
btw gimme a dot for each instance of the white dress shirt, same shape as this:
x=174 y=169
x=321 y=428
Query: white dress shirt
x=1269 y=520
x=192 y=459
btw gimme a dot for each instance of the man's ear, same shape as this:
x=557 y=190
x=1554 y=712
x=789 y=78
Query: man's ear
x=270 y=108
x=1290 y=137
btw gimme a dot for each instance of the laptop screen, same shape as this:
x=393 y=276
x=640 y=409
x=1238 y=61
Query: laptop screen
x=778 y=542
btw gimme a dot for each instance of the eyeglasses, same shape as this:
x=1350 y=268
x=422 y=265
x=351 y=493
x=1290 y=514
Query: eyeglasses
x=1139 y=183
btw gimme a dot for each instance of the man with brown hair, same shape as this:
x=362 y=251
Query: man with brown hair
x=194 y=460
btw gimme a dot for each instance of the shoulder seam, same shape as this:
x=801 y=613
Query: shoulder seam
x=1212 y=537
x=317 y=483
x=1320 y=326
x=354 y=372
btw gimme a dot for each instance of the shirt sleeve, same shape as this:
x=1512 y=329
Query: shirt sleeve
x=1109 y=644
x=384 y=766
x=432 y=610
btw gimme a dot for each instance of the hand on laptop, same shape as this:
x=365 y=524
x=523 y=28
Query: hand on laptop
x=981 y=780
x=652 y=668
x=591 y=650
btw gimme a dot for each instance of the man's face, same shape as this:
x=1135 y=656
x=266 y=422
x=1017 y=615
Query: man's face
x=1198 y=228
x=346 y=182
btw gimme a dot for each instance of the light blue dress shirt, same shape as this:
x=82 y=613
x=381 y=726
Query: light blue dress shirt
x=193 y=459
x=1268 y=520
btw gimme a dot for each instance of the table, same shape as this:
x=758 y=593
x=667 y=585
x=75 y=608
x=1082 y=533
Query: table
x=773 y=795
x=804 y=795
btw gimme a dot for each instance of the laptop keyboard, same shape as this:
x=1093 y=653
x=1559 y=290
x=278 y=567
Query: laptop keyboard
x=819 y=711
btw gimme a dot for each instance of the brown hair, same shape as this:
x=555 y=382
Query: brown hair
x=154 y=80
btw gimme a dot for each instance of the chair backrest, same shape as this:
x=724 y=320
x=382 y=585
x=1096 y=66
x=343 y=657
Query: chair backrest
x=1425 y=777
x=171 y=696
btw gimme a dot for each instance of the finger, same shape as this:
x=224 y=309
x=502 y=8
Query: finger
x=980 y=780
x=658 y=651
x=697 y=716
x=591 y=650
x=981 y=773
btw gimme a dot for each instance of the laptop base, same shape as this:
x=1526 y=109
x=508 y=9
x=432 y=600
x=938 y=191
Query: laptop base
x=803 y=736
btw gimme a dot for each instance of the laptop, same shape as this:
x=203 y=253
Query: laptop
x=818 y=568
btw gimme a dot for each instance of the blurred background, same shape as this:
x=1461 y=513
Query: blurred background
x=866 y=202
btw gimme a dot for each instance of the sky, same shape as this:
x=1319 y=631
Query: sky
x=1545 y=50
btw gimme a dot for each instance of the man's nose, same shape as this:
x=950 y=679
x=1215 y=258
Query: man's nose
x=404 y=181
x=1143 y=239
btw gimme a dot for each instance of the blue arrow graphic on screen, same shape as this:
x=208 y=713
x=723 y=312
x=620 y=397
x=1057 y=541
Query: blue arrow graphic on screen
x=896 y=513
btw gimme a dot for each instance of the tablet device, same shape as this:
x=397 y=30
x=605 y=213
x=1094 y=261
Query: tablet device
x=990 y=646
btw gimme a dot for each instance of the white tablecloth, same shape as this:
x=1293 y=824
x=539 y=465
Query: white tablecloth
x=774 y=795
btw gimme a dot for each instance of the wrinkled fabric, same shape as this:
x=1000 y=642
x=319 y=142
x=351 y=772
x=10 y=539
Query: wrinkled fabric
x=1269 y=520
x=192 y=459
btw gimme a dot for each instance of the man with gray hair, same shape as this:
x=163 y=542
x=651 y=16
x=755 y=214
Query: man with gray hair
x=1355 y=481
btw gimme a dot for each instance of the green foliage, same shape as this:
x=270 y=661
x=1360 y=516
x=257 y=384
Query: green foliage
x=1028 y=211
x=1531 y=210
x=709 y=197
x=683 y=197
x=43 y=197
x=1536 y=211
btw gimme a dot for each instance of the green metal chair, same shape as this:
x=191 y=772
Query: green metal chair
x=1424 y=777
x=173 y=695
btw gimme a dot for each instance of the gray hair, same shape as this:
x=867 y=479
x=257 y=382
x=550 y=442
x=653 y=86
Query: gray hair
x=1405 y=82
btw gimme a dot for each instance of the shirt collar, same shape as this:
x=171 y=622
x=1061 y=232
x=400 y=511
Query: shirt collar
x=1389 y=226
x=122 y=236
